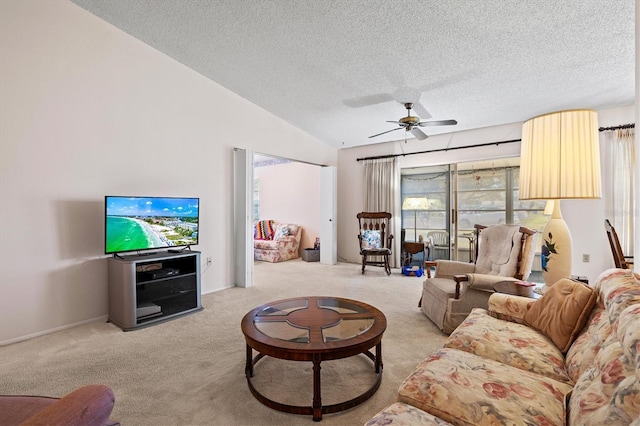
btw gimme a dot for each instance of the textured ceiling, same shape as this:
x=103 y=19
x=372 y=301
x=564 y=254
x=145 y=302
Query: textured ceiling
x=338 y=69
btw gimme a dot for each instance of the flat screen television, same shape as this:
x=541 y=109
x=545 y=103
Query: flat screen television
x=148 y=223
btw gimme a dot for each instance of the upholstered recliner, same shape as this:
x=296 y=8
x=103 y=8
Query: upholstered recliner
x=504 y=256
x=276 y=242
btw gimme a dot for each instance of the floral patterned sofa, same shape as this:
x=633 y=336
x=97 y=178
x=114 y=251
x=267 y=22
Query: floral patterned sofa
x=571 y=357
x=276 y=242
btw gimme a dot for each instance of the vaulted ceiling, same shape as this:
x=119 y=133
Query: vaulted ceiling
x=339 y=69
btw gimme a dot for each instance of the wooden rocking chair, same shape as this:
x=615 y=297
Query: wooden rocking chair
x=374 y=239
x=620 y=260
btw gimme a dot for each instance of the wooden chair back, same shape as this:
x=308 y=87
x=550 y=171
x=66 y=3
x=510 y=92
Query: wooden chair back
x=375 y=221
x=619 y=258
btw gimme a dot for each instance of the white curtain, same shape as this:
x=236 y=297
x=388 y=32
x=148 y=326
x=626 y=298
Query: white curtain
x=381 y=183
x=620 y=196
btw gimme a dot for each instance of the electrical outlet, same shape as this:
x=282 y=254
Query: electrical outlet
x=208 y=261
x=586 y=258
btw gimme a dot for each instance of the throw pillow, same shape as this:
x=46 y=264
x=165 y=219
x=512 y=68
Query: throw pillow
x=264 y=230
x=562 y=312
x=371 y=239
x=282 y=231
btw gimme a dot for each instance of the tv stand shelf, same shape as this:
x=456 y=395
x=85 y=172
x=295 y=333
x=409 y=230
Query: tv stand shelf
x=146 y=290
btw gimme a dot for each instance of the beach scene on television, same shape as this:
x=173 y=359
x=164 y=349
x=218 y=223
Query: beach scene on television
x=137 y=223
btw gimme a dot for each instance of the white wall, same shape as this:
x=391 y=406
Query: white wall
x=88 y=111
x=585 y=218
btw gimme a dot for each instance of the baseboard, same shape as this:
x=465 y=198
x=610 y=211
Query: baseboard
x=102 y=318
x=64 y=327
x=217 y=290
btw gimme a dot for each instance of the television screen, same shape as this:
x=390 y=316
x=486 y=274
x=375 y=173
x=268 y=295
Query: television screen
x=145 y=223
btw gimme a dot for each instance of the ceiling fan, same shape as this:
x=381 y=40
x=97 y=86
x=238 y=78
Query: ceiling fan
x=412 y=124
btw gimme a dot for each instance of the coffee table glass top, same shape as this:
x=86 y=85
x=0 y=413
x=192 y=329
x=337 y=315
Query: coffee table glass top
x=296 y=320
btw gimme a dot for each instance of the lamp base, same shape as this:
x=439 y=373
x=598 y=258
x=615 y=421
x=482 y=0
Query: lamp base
x=556 y=249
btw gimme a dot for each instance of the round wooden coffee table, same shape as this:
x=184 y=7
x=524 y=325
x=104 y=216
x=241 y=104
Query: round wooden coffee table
x=314 y=329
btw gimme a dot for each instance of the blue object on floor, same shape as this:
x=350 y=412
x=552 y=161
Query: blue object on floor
x=408 y=270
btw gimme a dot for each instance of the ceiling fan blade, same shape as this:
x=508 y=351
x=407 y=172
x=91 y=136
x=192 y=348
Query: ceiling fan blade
x=419 y=134
x=388 y=131
x=438 y=123
x=421 y=110
x=395 y=122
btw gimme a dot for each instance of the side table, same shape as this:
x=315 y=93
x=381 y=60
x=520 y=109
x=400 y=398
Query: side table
x=521 y=288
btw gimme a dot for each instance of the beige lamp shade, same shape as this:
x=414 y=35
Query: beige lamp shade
x=560 y=156
x=415 y=203
x=559 y=159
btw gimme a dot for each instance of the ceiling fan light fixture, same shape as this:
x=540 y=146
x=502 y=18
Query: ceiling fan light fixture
x=412 y=123
x=410 y=120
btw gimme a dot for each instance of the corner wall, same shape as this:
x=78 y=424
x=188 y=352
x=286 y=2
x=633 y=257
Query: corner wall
x=86 y=111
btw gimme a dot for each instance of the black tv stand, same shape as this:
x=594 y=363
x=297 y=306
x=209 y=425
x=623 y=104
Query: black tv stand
x=138 y=298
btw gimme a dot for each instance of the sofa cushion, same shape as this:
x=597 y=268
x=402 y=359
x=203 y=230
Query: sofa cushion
x=562 y=312
x=606 y=355
x=585 y=348
x=619 y=288
x=466 y=389
x=608 y=393
x=510 y=343
x=404 y=414
x=509 y=307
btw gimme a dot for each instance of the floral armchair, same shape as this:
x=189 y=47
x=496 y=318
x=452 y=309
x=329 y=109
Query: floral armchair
x=276 y=242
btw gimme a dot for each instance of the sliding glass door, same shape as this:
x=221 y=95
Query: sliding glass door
x=441 y=204
x=426 y=207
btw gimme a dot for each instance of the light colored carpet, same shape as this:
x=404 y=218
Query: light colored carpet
x=190 y=371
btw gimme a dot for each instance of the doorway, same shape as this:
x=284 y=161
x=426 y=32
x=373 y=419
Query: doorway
x=250 y=201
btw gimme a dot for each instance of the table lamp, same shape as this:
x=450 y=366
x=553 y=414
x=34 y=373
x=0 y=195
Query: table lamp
x=415 y=204
x=559 y=159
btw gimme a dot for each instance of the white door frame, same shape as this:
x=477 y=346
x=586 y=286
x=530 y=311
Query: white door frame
x=328 y=215
x=243 y=216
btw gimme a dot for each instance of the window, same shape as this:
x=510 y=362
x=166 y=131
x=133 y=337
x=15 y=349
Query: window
x=482 y=197
x=433 y=184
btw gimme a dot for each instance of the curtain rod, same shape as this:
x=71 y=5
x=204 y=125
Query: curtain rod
x=622 y=126
x=379 y=157
x=437 y=150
